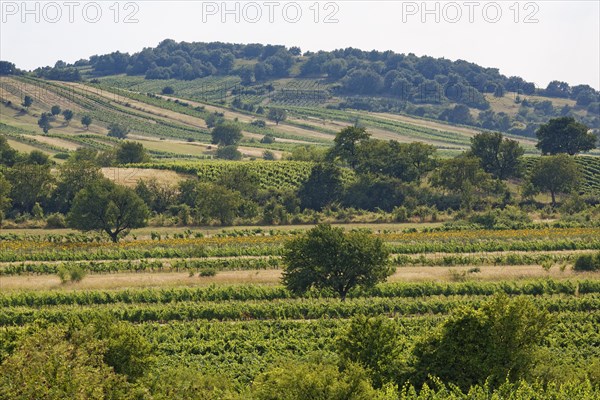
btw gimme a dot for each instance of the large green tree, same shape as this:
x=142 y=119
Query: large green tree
x=277 y=115
x=499 y=156
x=329 y=258
x=44 y=122
x=565 y=135
x=323 y=186
x=346 y=142
x=131 y=153
x=106 y=207
x=79 y=171
x=464 y=176
x=226 y=134
x=555 y=174
x=31 y=183
x=8 y=155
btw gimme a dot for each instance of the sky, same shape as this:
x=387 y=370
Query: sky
x=540 y=41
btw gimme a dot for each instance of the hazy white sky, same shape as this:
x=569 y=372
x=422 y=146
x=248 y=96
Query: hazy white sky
x=538 y=40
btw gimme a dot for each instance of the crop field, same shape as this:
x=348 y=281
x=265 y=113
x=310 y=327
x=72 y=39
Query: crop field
x=213 y=299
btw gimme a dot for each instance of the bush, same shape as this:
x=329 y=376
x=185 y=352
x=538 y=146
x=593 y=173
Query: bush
x=56 y=221
x=268 y=139
x=71 y=273
x=587 y=262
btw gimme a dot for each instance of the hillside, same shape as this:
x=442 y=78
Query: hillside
x=458 y=92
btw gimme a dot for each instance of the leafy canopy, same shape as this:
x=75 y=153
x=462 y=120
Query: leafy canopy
x=328 y=258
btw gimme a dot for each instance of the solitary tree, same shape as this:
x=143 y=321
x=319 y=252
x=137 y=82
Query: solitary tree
x=27 y=102
x=118 y=131
x=86 y=121
x=229 y=153
x=555 y=174
x=131 y=153
x=499 y=156
x=565 y=135
x=106 y=207
x=68 y=115
x=277 y=115
x=44 y=122
x=55 y=110
x=328 y=258
x=226 y=134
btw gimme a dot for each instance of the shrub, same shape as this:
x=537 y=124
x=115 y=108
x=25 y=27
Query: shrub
x=56 y=221
x=587 y=262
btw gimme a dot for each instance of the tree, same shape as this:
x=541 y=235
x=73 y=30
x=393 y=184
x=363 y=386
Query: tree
x=229 y=153
x=8 y=155
x=565 y=135
x=323 y=186
x=328 y=258
x=462 y=175
x=27 y=102
x=277 y=115
x=54 y=363
x=168 y=90
x=494 y=343
x=375 y=344
x=106 y=207
x=131 y=153
x=7 y=68
x=346 y=142
x=44 y=122
x=220 y=203
x=555 y=174
x=68 y=115
x=79 y=171
x=498 y=156
x=86 y=121
x=118 y=131
x=55 y=110
x=30 y=184
x=226 y=134
x=4 y=192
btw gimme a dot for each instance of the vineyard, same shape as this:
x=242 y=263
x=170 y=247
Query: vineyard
x=240 y=330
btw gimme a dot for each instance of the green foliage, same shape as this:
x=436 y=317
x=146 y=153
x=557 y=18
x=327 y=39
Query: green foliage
x=27 y=102
x=226 y=134
x=555 y=174
x=353 y=259
x=495 y=343
x=565 y=135
x=323 y=186
x=277 y=115
x=67 y=115
x=464 y=176
x=499 y=156
x=228 y=153
x=131 y=153
x=106 y=207
x=30 y=183
x=312 y=380
x=587 y=262
x=71 y=273
x=44 y=122
x=346 y=142
x=375 y=344
x=52 y=364
x=118 y=131
x=4 y=192
x=55 y=110
x=86 y=121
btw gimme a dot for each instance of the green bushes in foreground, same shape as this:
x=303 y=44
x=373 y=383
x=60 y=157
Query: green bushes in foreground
x=587 y=262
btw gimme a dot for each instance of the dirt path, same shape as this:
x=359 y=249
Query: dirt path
x=273 y=277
